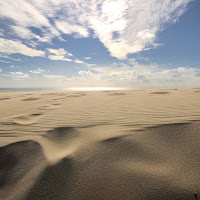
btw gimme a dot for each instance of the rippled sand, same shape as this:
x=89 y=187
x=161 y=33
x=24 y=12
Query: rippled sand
x=130 y=144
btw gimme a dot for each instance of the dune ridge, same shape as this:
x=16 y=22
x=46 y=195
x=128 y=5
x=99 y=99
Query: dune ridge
x=140 y=144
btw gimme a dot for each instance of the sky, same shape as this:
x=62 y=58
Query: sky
x=100 y=43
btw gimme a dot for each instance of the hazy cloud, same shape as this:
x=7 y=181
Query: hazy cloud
x=11 y=47
x=19 y=75
x=53 y=76
x=7 y=57
x=143 y=76
x=37 y=71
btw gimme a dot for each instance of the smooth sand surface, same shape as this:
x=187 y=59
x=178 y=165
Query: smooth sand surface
x=100 y=145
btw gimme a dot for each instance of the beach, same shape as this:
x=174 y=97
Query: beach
x=92 y=145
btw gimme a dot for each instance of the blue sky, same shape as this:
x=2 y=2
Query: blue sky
x=104 y=43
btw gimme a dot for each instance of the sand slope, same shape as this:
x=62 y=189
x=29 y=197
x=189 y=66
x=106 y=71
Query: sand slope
x=129 y=145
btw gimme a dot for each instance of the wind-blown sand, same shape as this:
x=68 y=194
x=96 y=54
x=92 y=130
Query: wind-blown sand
x=113 y=145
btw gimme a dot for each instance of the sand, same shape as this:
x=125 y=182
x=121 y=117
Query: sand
x=92 y=145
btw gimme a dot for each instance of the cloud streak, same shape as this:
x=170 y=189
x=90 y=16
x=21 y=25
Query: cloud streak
x=12 y=47
x=19 y=75
x=123 y=26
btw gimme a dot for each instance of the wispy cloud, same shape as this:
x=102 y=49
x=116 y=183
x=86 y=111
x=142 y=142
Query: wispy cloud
x=54 y=77
x=87 y=58
x=0 y=70
x=79 y=61
x=7 y=57
x=12 y=47
x=59 y=54
x=4 y=61
x=123 y=26
x=37 y=71
x=67 y=28
x=62 y=54
x=19 y=75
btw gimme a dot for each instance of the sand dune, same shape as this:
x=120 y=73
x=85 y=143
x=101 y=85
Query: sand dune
x=141 y=144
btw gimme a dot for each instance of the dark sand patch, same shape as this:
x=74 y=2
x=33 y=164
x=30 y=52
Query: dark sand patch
x=56 y=104
x=36 y=114
x=111 y=140
x=76 y=95
x=54 y=183
x=159 y=93
x=2 y=99
x=49 y=94
x=9 y=123
x=17 y=162
x=27 y=119
x=30 y=99
x=8 y=135
x=57 y=99
x=118 y=93
x=62 y=133
x=47 y=108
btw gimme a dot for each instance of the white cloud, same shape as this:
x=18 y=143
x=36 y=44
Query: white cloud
x=19 y=75
x=37 y=71
x=132 y=76
x=143 y=76
x=59 y=54
x=52 y=57
x=88 y=74
x=123 y=26
x=90 y=65
x=23 y=32
x=79 y=61
x=0 y=70
x=87 y=58
x=6 y=56
x=11 y=47
x=4 y=61
x=69 y=54
x=53 y=76
x=135 y=24
x=69 y=29
x=26 y=14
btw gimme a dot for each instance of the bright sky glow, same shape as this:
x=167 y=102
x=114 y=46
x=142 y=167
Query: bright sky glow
x=99 y=43
x=93 y=89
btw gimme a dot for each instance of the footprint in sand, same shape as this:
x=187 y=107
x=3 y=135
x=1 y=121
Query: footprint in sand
x=51 y=107
x=27 y=119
